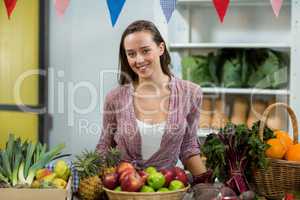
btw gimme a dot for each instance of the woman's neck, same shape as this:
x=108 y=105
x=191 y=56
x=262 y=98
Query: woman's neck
x=156 y=82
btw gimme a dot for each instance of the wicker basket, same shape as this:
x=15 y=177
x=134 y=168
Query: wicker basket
x=173 y=195
x=281 y=175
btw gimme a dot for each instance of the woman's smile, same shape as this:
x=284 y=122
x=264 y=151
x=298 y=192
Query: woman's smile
x=142 y=68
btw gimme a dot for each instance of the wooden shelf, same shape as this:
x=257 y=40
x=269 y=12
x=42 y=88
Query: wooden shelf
x=232 y=2
x=176 y=46
x=216 y=90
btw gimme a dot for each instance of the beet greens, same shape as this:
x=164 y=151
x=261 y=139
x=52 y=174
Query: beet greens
x=234 y=152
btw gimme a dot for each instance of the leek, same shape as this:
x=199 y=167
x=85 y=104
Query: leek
x=28 y=159
x=6 y=164
x=44 y=159
x=21 y=177
x=3 y=179
x=17 y=158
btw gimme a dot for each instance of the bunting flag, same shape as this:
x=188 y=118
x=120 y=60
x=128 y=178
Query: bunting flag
x=61 y=6
x=10 y=6
x=276 y=5
x=168 y=7
x=115 y=8
x=221 y=7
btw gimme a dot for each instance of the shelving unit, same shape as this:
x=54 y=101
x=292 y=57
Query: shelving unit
x=204 y=45
x=250 y=91
x=195 y=29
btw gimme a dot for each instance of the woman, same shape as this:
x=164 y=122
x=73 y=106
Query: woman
x=152 y=117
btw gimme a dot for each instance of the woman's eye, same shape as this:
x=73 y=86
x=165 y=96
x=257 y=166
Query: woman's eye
x=146 y=51
x=130 y=54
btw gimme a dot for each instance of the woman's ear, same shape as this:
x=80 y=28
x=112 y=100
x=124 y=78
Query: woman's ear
x=161 y=48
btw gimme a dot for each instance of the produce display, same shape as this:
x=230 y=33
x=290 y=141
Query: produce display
x=237 y=68
x=219 y=118
x=58 y=178
x=91 y=167
x=127 y=178
x=233 y=152
x=239 y=111
x=22 y=164
x=283 y=147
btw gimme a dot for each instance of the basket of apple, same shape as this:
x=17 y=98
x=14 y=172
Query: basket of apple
x=130 y=183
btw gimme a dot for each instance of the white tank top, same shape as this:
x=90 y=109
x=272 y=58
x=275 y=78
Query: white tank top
x=151 y=135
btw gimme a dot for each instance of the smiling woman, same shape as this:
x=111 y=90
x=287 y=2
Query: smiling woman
x=152 y=117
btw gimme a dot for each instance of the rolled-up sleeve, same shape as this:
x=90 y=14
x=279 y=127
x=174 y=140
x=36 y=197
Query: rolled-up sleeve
x=108 y=127
x=190 y=145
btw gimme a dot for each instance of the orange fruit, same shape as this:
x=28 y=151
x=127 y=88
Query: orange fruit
x=293 y=153
x=277 y=148
x=284 y=137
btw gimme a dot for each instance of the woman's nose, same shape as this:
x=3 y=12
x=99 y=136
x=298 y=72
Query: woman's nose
x=139 y=58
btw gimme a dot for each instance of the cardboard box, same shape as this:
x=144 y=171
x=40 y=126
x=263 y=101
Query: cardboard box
x=36 y=194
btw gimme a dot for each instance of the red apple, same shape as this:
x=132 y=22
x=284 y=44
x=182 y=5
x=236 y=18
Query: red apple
x=123 y=166
x=110 y=181
x=124 y=174
x=144 y=175
x=169 y=176
x=180 y=175
x=132 y=182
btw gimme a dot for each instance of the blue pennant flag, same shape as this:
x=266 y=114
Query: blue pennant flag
x=168 y=6
x=115 y=8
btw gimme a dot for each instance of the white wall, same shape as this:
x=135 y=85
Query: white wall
x=82 y=45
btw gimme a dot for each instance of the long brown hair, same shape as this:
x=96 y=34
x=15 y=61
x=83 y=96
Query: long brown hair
x=126 y=74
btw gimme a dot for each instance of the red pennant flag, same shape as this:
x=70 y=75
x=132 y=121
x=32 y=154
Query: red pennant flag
x=10 y=6
x=276 y=5
x=221 y=7
x=61 y=6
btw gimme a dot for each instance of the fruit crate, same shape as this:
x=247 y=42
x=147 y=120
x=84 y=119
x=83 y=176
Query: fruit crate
x=173 y=195
x=37 y=194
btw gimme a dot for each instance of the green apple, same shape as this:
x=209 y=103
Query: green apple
x=146 y=188
x=176 y=185
x=163 y=189
x=156 y=180
x=150 y=170
x=118 y=189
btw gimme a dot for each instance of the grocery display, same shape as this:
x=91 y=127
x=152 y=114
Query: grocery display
x=70 y=106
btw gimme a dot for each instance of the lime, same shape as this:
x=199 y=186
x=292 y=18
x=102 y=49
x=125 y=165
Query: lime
x=163 y=189
x=150 y=170
x=176 y=185
x=156 y=180
x=118 y=189
x=146 y=188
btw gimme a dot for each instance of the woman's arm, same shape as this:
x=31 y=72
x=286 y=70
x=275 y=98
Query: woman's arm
x=108 y=127
x=195 y=165
x=190 y=149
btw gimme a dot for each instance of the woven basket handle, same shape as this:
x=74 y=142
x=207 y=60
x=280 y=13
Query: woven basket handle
x=291 y=114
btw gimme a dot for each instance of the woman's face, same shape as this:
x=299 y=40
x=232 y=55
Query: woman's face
x=143 y=54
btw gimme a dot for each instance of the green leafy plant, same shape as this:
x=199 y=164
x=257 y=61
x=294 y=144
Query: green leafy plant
x=19 y=160
x=200 y=70
x=233 y=152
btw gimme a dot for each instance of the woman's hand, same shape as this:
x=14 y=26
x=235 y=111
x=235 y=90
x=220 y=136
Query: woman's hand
x=199 y=172
x=195 y=165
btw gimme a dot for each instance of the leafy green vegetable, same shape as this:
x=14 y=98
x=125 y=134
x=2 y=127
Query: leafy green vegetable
x=233 y=152
x=238 y=68
x=271 y=73
x=199 y=70
x=232 y=74
x=20 y=161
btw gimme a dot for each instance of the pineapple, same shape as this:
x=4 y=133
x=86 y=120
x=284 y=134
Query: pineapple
x=89 y=165
x=112 y=159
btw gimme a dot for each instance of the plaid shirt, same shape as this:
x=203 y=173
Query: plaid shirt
x=179 y=139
